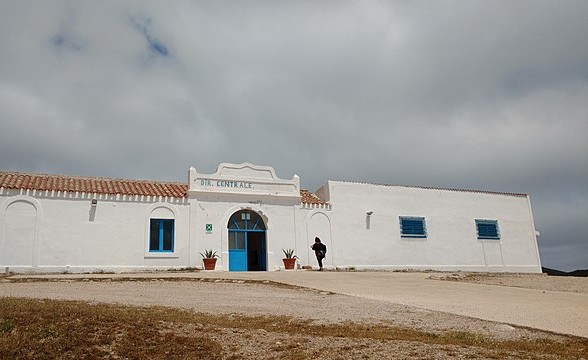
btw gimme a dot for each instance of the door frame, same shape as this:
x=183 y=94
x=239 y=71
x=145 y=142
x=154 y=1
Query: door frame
x=248 y=226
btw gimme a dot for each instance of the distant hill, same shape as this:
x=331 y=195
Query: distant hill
x=554 y=272
x=579 y=273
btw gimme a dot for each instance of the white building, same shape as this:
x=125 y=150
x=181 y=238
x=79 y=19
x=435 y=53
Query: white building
x=244 y=212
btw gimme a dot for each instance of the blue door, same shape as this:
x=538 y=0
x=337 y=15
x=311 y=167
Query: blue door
x=237 y=251
x=247 y=243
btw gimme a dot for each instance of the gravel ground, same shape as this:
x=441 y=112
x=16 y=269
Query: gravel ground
x=246 y=298
x=258 y=298
x=527 y=281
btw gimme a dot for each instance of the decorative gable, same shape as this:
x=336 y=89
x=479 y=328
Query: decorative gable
x=244 y=179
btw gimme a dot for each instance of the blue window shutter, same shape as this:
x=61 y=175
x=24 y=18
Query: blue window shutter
x=487 y=229
x=161 y=235
x=413 y=227
x=154 y=235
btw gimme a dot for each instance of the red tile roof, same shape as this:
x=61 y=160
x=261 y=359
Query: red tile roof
x=310 y=198
x=95 y=185
x=26 y=181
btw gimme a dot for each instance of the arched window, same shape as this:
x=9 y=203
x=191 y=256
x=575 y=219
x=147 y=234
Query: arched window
x=161 y=224
x=161 y=235
x=18 y=232
x=246 y=221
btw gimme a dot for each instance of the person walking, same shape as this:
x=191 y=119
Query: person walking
x=320 y=250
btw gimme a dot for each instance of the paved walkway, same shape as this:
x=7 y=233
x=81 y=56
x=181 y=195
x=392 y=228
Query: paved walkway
x=561 y=312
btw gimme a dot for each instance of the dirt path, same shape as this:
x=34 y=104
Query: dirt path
x=526 y=281
x=536 y=305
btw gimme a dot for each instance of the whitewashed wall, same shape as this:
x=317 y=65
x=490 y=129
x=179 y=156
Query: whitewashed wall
x=451 y=242
x=65 y=233
x=280 y=221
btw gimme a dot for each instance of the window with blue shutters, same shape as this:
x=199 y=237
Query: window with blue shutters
x=487 y=229
x=413 y=227
x=161 y=235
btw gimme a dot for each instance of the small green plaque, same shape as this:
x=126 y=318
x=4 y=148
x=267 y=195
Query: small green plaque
x=208 y=227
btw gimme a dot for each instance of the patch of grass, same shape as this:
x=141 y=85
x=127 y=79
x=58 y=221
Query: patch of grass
x=102 y=271
x=71 y=330
x=67 y=329
x=432 y=335
x=466 y=337
x=6 y=325
x=184 y=269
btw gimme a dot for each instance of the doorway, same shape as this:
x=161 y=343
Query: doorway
x=247 y=242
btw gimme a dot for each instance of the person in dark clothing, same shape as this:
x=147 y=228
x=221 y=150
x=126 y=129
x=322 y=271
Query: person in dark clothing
x=320 y=251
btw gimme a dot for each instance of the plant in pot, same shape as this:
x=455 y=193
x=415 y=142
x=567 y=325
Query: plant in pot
x=209 y=259
x=290 y=259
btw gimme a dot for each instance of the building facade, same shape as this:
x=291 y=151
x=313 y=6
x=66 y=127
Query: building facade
x=248 y=215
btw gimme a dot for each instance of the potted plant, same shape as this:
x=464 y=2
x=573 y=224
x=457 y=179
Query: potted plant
x=209 y=259
x=290 y=259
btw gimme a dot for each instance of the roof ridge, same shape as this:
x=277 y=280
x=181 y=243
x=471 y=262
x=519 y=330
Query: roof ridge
x=88 y=177
x=436 y=188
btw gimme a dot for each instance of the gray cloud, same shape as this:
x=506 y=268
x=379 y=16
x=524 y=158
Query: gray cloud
x=476 y=95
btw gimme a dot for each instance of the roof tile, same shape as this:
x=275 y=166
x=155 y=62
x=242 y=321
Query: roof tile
x=14 y=180
x=46 y=182
x=310 y=198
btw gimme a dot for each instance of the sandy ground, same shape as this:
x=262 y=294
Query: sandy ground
x=307 y=296
x=206 y=292
x=239 y=297
x=526 y=281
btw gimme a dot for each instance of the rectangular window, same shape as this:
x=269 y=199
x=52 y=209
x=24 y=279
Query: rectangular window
x=413 y=227
x=487 y=229
x=236 y=240
x=161 y=237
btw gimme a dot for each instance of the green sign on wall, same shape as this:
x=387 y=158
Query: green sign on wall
x=208 y=228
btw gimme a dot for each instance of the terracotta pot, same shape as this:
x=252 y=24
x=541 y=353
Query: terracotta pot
x=209 y=264
x=289 y=263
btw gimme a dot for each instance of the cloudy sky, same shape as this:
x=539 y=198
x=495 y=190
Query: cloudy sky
x=489 y=95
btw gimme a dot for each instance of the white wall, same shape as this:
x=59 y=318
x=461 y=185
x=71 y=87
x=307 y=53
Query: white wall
x=71 y=235
x=280 y=222
x=451 y=242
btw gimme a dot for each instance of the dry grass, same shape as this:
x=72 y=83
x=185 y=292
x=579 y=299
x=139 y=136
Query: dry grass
x=40 y=329
x=123 y=279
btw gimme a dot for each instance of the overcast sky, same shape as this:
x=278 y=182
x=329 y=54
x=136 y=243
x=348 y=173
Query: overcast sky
x=488 y=95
